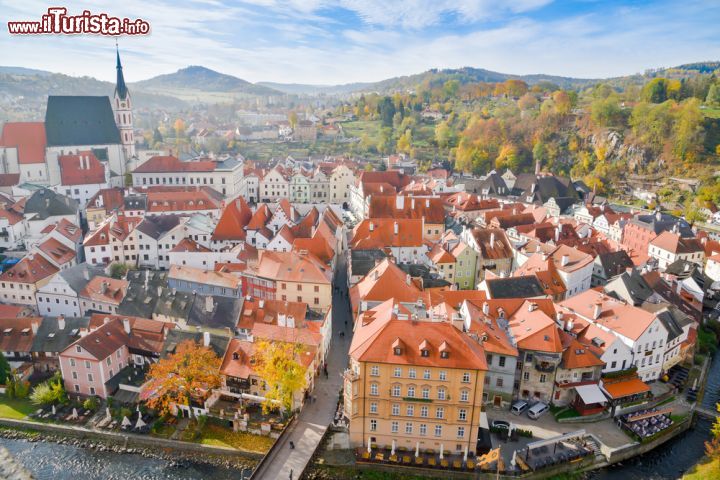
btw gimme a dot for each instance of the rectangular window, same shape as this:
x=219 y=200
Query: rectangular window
x=410 y=410
x=396 y=390
x=461 y=432
x=374 y=370
x=526 y=376
x=426 y=374
x=423 y=429
x=395 y=409
x=394 y=426
x=373 y=389
x=373 y=425
x=466 y=377
x=397 y=372
x=443 y=375
x=438 y=430
x=440 y=412
x=411 y=373
x=464 y=394
x=409 y=428
x=501 y=361
x=462 y=414
x=373 y=407
x=424 y=411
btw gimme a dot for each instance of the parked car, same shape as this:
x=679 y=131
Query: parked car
x=519 y=407
x=502 y=424
x=537 y=410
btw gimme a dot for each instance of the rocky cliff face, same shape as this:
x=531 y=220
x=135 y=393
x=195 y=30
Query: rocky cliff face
x=637 y=158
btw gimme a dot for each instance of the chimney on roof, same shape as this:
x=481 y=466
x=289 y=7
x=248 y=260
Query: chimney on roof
x=209 y=304
x=569 y=325
x=486 y=308
x=61 y=322
x=559 y=318
x=104 y=287
x=126 y=325
x=408 y=279
x=34 y=325
x=597 y=309
x=396 y=228
x=557 y=233
x=261 y=303
x=159 y=290
x=371 y=226
x=532 y=306
x=86 y=274
x=290 y=321
x=492 y=239
x=565 y=260
x=658 y=215
x=206 y=339
x=399 y=202
x=427 y=203
x=106 y=320
x=412 y=203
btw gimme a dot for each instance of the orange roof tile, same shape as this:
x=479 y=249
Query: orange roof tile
x=381 y=233
x=169 y=163
x=31 y=269
x=233 y=221
x=625 y=387
x=28 y=137
x=81 y=169
x=105 y=289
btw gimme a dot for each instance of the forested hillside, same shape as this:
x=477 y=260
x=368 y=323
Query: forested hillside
x=600 y=133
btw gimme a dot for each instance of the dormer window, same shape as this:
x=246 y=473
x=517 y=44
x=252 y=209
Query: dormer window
x=397 y=351
x=397 y=347
x=444 y=350
x=424 y=353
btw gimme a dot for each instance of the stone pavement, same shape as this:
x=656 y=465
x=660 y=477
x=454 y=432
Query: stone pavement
x=315 y=417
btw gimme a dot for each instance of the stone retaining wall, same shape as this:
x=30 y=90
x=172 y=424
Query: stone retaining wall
x=128 y=439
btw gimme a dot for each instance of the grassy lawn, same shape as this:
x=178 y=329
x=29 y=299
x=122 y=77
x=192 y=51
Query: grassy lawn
x=358 y=128
x=711 y=112
x=164 y=431
x=14 y=408
x=219 y=436
x=704 y=470
x=569 y=413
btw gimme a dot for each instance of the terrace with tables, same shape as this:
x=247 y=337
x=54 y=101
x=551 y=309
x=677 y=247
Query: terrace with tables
x=572 y=447
x=646 y=423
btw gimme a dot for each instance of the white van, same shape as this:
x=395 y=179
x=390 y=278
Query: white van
x=519 y=407
x=537 y=410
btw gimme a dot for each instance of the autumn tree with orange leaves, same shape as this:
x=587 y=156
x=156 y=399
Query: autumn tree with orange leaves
x=188 y=373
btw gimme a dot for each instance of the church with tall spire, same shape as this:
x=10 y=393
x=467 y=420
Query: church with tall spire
x=122 y=107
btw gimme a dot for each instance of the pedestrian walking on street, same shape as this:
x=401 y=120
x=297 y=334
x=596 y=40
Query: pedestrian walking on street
x=291 y=474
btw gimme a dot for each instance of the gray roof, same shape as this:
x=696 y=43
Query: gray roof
x=615 y=263
x=76 y=277
x=515 y=287
x=176 y=336
x=362 y=261
x=135 y=202
x=47 y=203
x=630 y=287
x=429 y=279
x=50 y=338
x=140 y=301
x=156 y=227
x=663 y=222
x=225 y=313
x=546 y=187
x=80 y=120
x=674 y=321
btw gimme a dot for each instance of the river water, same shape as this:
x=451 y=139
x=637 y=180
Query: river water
x=673 y=458
x=49 y=461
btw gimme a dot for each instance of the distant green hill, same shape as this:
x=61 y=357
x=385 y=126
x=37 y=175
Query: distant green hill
x=196 y=78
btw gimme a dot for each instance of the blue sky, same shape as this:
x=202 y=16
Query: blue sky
x=343 y=41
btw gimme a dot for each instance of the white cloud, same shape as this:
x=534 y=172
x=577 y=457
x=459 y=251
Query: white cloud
x=302 y=42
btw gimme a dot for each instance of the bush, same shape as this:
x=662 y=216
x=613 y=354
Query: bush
x=90 y=403
x=524 y=433
x=698 y=359
x=125 y=412
x=50 y=392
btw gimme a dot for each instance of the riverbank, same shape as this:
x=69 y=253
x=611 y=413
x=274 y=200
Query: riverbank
x=173 y=452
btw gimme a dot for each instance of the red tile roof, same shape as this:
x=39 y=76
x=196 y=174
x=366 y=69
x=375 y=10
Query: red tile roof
x=28 y=137
x=56 y=251
x=31 y=269
x=107 y=198
x=293 y=267
x=380 y=233
x=376 y=342
x=169 y=163
x=9 y=179
x=187 y=199
x=401 y=207
x=105 y=289
x=625 y=387
x=81 y=169
x=233 y=220
x=16 y=334
x=190 y=245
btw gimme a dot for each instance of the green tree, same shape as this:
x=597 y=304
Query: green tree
x=713 y=96
x=450 y=88
x=157 y=138
x=688 y=130
x=443 y=134
x=404 y=143
x=655 y=91
x=387 y=111
x=606 y=112
x=5 y=371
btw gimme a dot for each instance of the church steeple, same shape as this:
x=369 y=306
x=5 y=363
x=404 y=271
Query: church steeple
x=123 y=111
x=120 y=87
